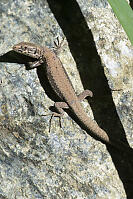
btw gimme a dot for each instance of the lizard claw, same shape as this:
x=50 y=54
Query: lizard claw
x=53 y=115
x=58 y=43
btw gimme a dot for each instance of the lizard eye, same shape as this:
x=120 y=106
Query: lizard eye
x=19 y=49
x=32 y=50
x=24 y=48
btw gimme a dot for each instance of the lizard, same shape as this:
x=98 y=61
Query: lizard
x=63 y=87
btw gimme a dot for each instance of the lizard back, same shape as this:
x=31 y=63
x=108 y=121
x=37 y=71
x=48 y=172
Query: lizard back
x=58 y=77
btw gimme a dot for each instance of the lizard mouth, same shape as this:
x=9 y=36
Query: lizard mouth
x=17 y=48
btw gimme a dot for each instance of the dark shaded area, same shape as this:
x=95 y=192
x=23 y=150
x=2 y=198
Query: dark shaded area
x=131 y=3
x=13 y=57
x=82 y=46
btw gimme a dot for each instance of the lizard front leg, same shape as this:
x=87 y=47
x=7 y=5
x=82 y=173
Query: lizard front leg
x=36 y=63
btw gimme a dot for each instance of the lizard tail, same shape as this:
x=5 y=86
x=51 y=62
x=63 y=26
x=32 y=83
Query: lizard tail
x=96 y=132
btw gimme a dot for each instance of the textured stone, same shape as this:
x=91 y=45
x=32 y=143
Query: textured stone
x=67 y=162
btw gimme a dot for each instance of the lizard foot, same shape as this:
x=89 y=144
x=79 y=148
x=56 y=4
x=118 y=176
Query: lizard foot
x=58 y=44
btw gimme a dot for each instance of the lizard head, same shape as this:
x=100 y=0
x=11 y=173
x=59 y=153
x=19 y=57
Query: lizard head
x=28 y=49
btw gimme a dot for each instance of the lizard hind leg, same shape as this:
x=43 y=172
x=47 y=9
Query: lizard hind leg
x=84 y=94
x=61 y=105
x=60 y=112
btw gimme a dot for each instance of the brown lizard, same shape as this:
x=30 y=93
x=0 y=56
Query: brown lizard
x=61 y=84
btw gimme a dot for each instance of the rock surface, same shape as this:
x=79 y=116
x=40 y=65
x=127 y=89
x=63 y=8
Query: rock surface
x=67 y=162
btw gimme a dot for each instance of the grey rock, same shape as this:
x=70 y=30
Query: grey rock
x=65 y=162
